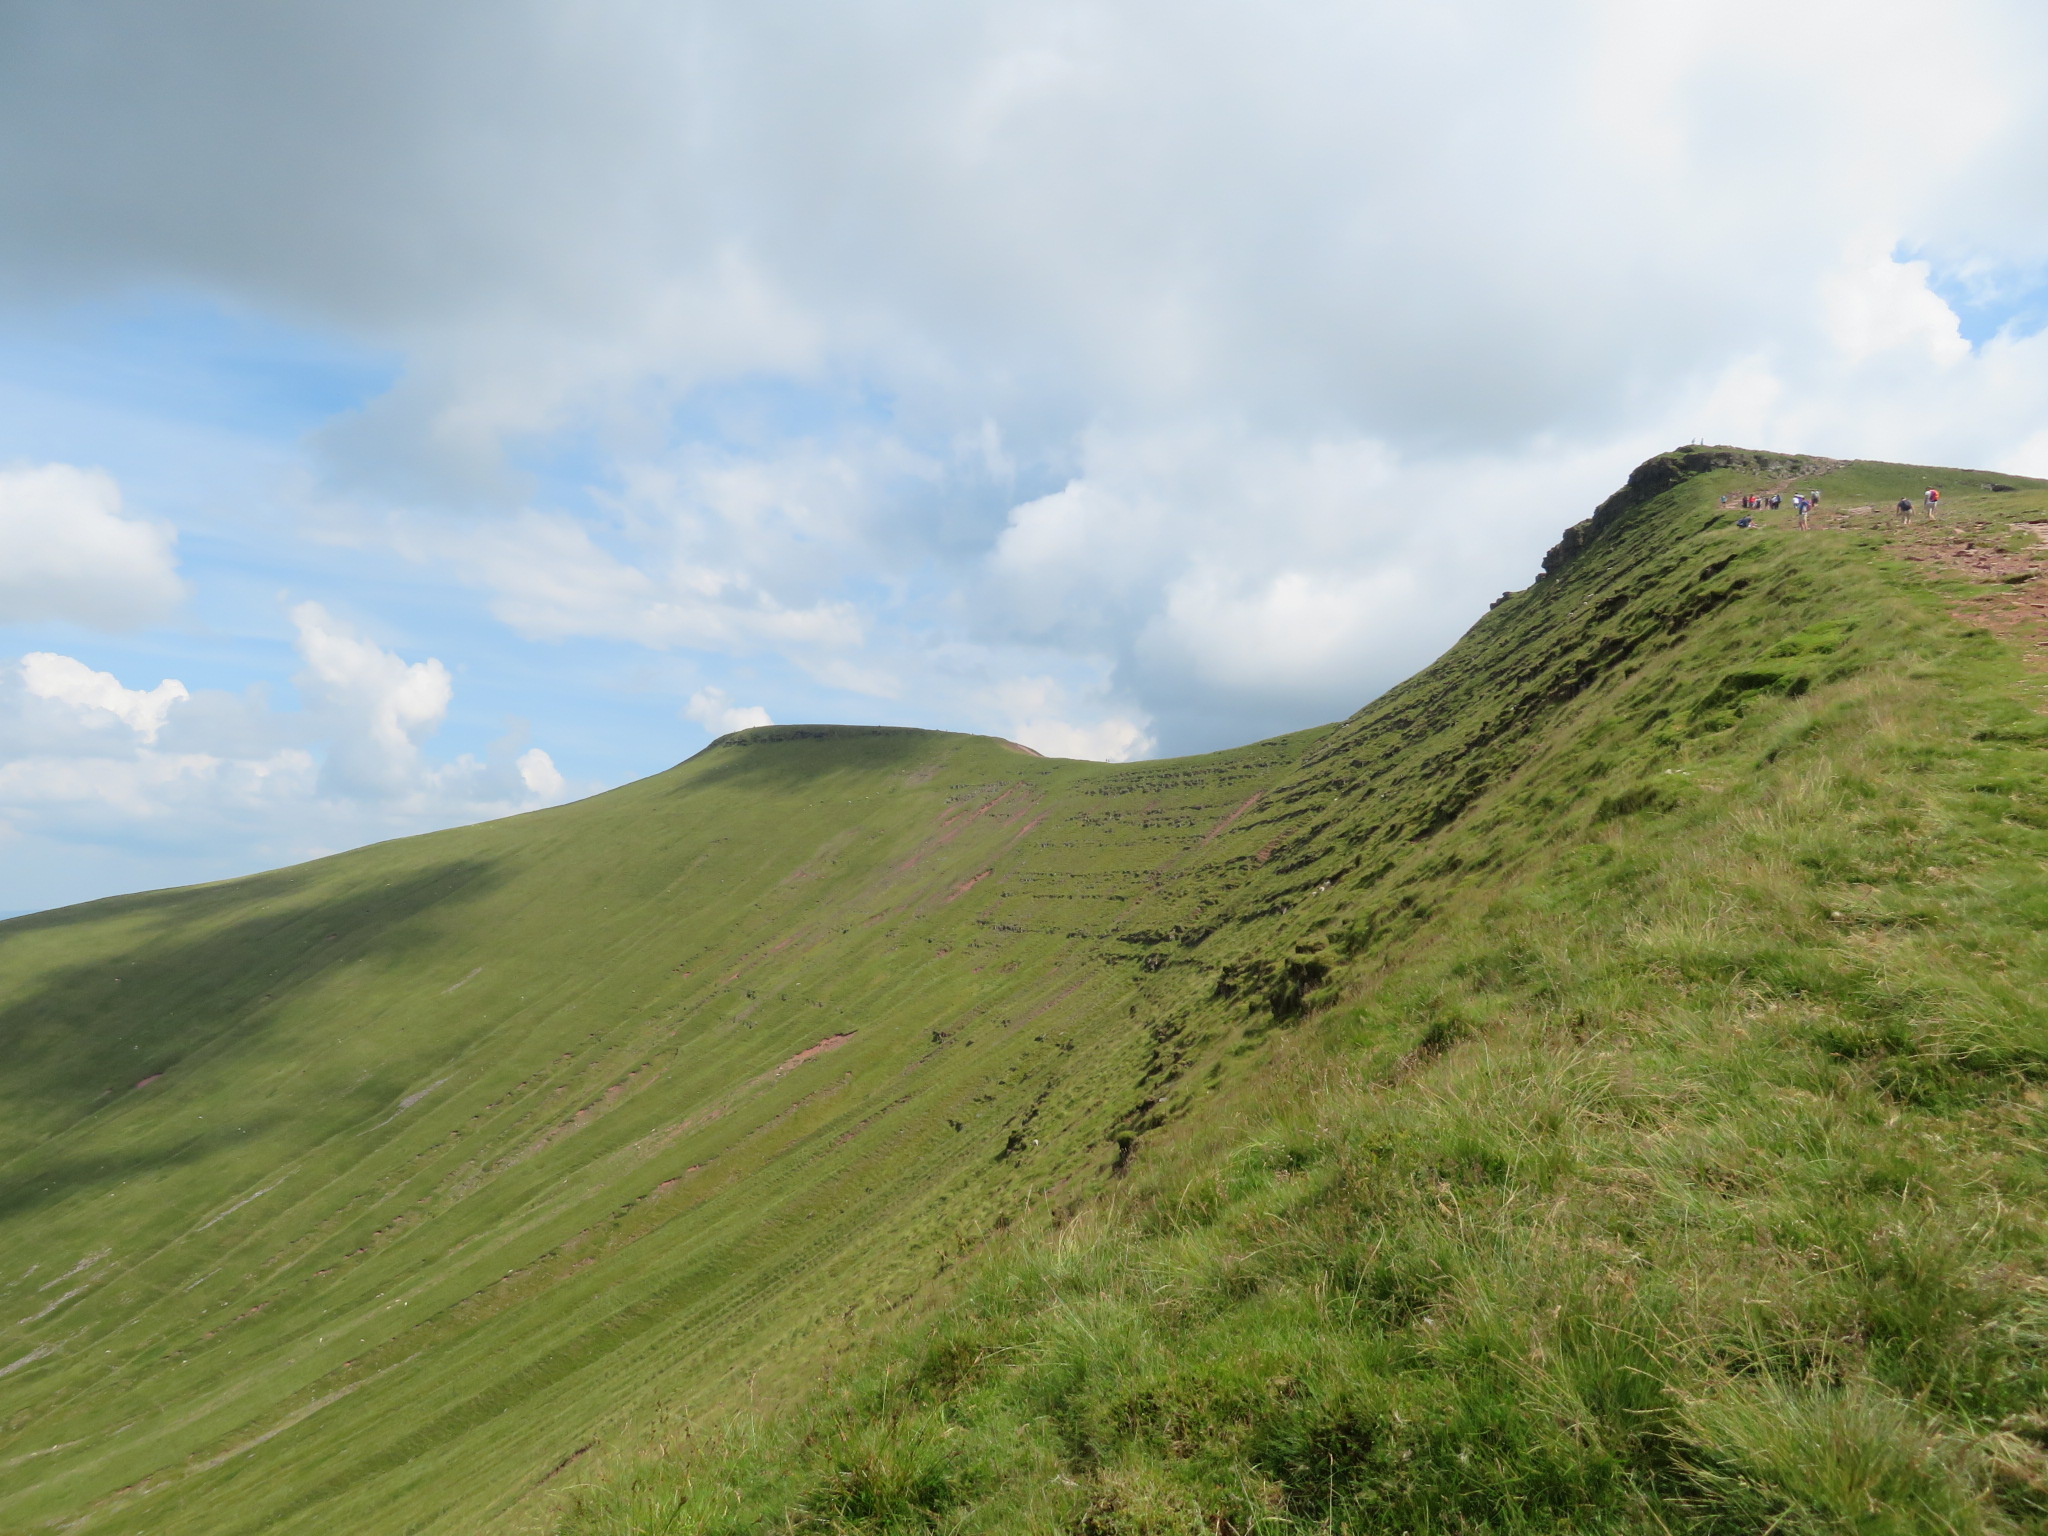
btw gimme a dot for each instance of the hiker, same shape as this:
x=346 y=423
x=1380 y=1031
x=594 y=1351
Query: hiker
x=1724 y=501
x=1745 y=522
x=1933 y=502
x=1813 y=498
x=1905 y=509
x=1777 y=501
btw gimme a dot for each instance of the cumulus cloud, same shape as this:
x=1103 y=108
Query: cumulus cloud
x=377 y=705
x=537 y=771
x=1041 y=714
x=67 y=552
x=216 y=783
x=1216 y=364
x=714 y=709
x=1877 y=305
x=1242 y=584
x=100 y=694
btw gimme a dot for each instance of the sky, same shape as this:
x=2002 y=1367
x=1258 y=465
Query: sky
x=415 y=414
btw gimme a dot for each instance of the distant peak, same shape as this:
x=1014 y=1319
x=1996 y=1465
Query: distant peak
x=770 y=735
x=774 y=735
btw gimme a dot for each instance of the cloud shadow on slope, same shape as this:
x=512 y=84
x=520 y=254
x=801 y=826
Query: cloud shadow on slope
x=52 y=1179
x=199 y=973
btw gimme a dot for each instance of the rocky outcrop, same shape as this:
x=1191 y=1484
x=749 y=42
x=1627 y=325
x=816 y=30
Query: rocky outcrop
x=1653 y=477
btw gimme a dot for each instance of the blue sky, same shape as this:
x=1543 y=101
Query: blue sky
x=415 y=414
x=1989 y=300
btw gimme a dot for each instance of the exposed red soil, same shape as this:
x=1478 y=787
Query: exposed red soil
x=955 y=819
x=2011 y=596
x=829 y=1043
x=1231 y=820
x=1023 y=832
x=2012 y=587
x=953 y=822
x=969 y=884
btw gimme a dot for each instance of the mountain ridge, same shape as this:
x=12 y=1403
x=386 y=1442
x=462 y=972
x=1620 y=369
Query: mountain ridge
x=676 y=1095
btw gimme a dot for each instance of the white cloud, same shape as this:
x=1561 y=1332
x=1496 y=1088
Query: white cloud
x=1040 y=715
x=378 y=705
x=537 y=771
x=1876 y=305
x=202 y=783
x=1115 y=740
x=67 y=552
x=183 y=796
x=1242 y=631
x=551 y=580
x=714 y=709
x=1216 y=363
x=50 y=676
x=1265 y=582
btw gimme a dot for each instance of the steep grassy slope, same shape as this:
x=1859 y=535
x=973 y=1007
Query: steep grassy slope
x=365 y=1193
x=1667 y=1152
x=1417 y=1051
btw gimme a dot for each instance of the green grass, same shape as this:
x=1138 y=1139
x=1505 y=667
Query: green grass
x=466 y=1148
x=1599 y=1086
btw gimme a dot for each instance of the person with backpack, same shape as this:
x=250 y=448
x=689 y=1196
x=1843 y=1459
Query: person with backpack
x=1933 y=502
x=1905 y=509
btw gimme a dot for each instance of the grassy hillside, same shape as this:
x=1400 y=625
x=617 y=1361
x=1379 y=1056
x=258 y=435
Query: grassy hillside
x=358 y=1196
x=1568 y=1091
x=1665 y=1152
